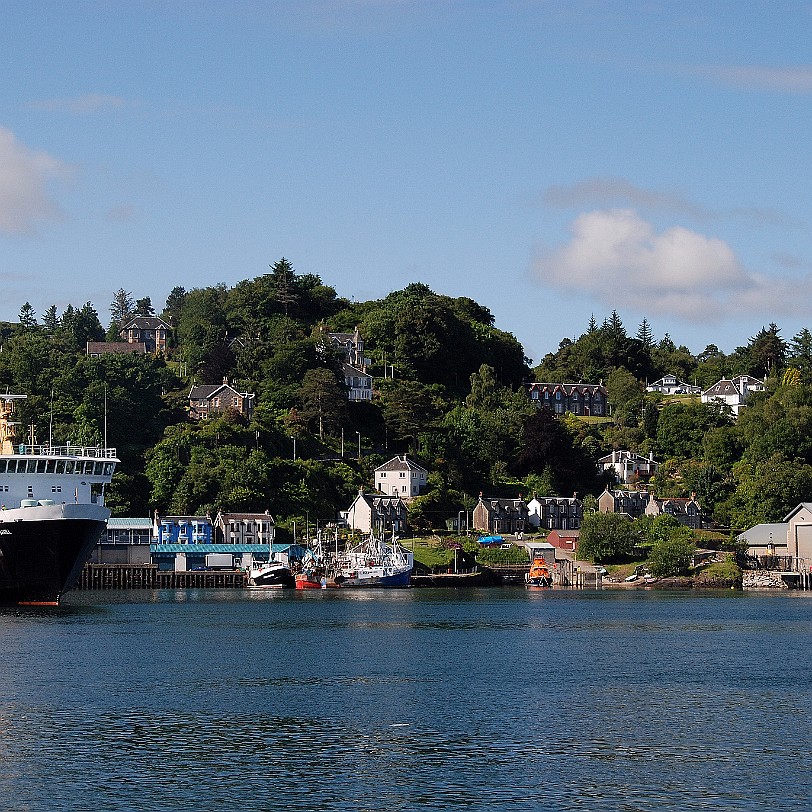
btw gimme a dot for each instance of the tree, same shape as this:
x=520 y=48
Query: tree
x=121 y=308
x=673 y=554
x=174 y=305
x=607 y=537
x=28 y=318
x=625 y=396
x=546 y=442
x=323 y=400
x=50 y=319
x=283 y=279
x=143 y=307
x=767 y=350
x=644 y=334
x=483 y=389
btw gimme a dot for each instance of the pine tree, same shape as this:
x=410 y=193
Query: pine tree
x=50 y=319
x=644 y=334
x=122 y=307
x=143 y=307
x=28 y=318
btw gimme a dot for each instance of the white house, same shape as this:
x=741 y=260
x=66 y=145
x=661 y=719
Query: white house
x=671 y=385
x=628 y=466
x=375 y=513
x=733 y=392
x=358 y=382
x=401 y=477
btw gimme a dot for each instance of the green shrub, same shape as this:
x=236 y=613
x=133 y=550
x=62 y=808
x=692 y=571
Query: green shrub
x=672 y=554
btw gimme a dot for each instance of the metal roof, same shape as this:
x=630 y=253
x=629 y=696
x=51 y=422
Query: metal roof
x=127 y=523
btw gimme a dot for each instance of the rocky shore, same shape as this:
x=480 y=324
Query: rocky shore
x=763 y=579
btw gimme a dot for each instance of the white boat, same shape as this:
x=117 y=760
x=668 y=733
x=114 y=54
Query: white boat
x=52 y=514
x=374 y=562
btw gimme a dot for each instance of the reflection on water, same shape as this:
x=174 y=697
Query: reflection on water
x=492 y=699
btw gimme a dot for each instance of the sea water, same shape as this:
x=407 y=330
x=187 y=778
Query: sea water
x=498 y=699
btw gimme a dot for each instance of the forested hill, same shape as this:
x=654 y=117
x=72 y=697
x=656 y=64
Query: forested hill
x=448 y=390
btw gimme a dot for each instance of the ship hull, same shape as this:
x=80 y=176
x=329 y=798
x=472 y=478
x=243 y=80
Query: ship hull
x=271 y=576
x=43 y=550
x=390 y=577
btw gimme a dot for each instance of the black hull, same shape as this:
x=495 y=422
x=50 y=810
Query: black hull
x=276 y=577
x=42 y=559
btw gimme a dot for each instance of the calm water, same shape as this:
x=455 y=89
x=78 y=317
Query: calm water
x=489 y=699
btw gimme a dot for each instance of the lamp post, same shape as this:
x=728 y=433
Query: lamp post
x=294 y=447
x=359 y=445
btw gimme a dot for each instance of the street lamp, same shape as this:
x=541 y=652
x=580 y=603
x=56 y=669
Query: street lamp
x=359 y=444
x=294 y=447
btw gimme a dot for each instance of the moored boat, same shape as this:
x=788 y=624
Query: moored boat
x=539 y=574
x=374 y=562
x=271 y=573
x=52 y=514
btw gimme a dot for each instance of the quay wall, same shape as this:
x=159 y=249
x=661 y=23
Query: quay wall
x=148 y=576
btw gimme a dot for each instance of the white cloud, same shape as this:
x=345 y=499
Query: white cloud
x=786 y=79
x=619 y=258
x=24 y=176
x=612 y=191
x=80 y=105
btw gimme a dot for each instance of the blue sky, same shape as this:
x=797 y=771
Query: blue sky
x=550 y=160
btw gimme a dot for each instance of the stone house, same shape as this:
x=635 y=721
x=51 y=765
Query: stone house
x=351 y=348
x=206 y=400
x=151 y=331
x=578 y=398
x=685 y=511
x=631 y=503
x=401 y=477
x=555 y=512
x=496 y=516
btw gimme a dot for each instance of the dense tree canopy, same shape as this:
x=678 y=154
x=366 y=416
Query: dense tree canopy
x=449 y=386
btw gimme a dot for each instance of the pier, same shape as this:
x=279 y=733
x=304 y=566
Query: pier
x=148 y=576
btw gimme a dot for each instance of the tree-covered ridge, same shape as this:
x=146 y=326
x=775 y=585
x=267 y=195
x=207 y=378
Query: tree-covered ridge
x=449 y=388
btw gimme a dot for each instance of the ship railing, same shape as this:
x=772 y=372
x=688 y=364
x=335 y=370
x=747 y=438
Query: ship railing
x=94 y=452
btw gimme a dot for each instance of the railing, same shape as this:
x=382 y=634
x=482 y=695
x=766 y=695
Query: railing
x=783 y=563
x=66 y=451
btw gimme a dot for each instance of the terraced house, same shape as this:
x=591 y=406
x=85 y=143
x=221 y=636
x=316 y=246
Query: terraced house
x=579 y=398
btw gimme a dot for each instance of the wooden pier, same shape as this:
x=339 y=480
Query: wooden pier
x=148 y=576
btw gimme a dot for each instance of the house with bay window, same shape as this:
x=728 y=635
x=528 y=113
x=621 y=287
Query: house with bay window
x=578 y=398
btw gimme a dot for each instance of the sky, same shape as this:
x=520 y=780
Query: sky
x=550 y=160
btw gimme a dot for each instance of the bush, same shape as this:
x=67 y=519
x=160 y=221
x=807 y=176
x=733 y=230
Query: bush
x=672 y=555
x=606 y=537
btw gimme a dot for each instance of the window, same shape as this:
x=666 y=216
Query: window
x=402 y=474
x=383 y=474
x=56 y=489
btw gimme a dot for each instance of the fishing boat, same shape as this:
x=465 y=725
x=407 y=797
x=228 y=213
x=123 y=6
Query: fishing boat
x=270 y=573
x=539 y=574
x=52 y=512
x=373 y=562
